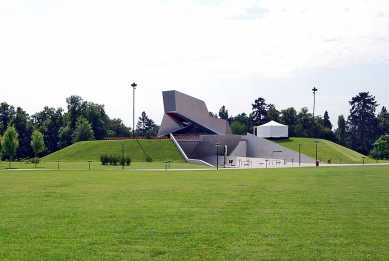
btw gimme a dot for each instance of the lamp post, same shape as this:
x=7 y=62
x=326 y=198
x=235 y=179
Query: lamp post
x=363 y=160
x=313 y=115
x=217 y=155
x=133 y=109
x=299 y=155
x=316 y=142
x=58 y=163
x=89 y=161
x=122 y=156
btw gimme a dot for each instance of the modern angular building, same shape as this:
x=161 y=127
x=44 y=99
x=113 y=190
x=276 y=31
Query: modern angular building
x=187 y=115
x=187 y=122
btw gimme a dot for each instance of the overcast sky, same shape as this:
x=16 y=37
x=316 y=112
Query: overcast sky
x=222 y=52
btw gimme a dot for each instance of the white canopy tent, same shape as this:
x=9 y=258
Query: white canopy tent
x=271 y=129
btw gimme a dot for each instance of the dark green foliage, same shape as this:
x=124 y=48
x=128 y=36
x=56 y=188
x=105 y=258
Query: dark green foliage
x=223 y=113
x=114 y=159
x=145 y=126
x=380 y=148
x=116 y=128
x=104 y=158
x=24 y=128
x=65 y=137
x=238 y=128
x=259 y=112
x=10 y=142
x=148 y=159
x=49 y=122
x=7 y=112
x=341 y=132
x=127 y=160
x=83 y=131
x=362 y=122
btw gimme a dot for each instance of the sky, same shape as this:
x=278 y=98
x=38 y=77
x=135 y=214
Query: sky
x=222 y=52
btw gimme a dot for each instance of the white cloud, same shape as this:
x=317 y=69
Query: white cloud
x=86 y=47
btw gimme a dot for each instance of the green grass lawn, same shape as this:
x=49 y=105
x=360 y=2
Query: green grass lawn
x=137 y=150
x=325 y=150
x=332 y=213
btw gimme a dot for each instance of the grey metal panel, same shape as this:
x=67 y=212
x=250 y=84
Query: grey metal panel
x=169 y=101
x=184 y=108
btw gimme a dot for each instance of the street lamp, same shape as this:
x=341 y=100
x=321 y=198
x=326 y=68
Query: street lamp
x=313 y=115
x=89 y=163
x=58 y=163
x=316 y=142
x=363 y=160
x=133 y=109
x=217 y=155
x=300 y=154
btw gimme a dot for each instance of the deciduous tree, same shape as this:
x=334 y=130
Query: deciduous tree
x=37 y=144
x=10 y=142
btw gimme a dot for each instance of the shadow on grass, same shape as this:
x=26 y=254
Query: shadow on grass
x=148 y=159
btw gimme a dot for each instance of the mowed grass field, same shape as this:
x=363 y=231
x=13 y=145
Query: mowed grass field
x=317 y=213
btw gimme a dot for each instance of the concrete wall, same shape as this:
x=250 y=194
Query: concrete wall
x=261 y=148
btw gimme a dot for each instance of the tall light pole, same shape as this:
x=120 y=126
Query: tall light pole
x=133 y=109
x=217 y=155
x=313 y=115
x=299 y=155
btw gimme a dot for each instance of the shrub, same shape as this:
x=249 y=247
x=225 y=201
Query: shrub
x=104 y=158
x=35 y=160
x=127 y=159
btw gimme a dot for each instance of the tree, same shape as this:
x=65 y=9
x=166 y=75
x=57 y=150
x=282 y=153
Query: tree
x=75 y=107
x=244 y=120
x=37 y=144
x=362 y=122
x=144 y=125
x=83 y=131
x=24 y=128
x=49 y=122
x=259 y=113
x=116 y=128
x=10 y=142
x=96 y=116
x=341 y=131
x=223 y=113
x=7 y=112
x=383 y=121
x=238 y=128
x=213 y=115
x=289 y=117
x=303 y=123
x=65 y=136
x=273 y=114
x=327 y=122
x=381 y=148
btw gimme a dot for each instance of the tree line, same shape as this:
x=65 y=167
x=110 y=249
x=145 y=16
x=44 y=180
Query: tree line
x=363 y=130
x=82 y=121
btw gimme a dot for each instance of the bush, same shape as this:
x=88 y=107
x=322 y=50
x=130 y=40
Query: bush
x=104 y=158
x=35 y=160
x=127 y=160
x=113 y=159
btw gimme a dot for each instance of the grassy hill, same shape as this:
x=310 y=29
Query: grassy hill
x=162 y=150
x=138 y=150
x=325 y=150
